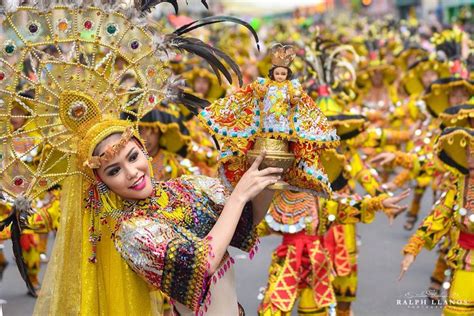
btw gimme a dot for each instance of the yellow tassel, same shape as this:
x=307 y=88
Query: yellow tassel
x=107 y=204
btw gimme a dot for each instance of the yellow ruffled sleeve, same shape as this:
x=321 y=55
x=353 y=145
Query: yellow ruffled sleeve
x=436 y=225
x=350 y=211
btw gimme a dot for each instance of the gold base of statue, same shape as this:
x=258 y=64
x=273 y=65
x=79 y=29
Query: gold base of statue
x=276 y=155
x=279 y=186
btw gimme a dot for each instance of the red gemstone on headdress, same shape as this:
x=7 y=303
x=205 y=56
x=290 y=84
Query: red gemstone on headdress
x=88 y=25
x=151 y=99
x=2 y=75
x=43 y=182
x=18 y=181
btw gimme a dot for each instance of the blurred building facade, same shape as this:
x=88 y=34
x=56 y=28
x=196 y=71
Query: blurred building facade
x=443 y=11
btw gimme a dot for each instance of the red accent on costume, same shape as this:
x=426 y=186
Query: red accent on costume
x=334 y=242
x=323 y=91
x=466 y=240
x=308 y=266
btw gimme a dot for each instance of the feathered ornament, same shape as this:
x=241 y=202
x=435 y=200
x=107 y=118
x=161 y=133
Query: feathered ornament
x=175 y=93
x=449 y=44
x=21 y=206
x=327 y=59
x=148 y=5
x=139 y=6
x=213 y=56
x=332 y=76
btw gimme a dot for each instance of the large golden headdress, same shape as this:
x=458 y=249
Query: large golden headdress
x=89 y=64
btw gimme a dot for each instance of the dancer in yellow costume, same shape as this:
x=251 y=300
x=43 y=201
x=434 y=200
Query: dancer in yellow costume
x=375 y=78
x=452 y=215
x=453 y=115
x=452 y=95
x=419 y=76
x=301 y=266
x=333 y=87
x=444 y=86
x=162 y=132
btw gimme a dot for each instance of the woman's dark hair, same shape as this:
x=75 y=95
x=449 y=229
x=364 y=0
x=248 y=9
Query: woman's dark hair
x=272 y=70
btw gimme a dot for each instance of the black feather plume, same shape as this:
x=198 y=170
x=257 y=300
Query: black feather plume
x=231 y=63
x=216 y=19
x=203 y=50
x=147 y=5
x=192 y=102
x=15 y=230
x=216 y=58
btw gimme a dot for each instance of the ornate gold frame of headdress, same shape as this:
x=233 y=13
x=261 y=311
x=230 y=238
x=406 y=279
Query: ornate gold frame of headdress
x=282 y=55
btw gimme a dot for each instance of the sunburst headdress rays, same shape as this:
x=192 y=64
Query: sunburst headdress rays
x=81 y=65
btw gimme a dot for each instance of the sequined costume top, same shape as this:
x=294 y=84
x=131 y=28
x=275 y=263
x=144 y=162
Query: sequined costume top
x=271 y=109
x=163 y=238
x=452 y=215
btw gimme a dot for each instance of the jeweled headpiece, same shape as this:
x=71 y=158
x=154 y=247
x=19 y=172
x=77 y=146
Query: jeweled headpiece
x=111 y=151
x=282 y=55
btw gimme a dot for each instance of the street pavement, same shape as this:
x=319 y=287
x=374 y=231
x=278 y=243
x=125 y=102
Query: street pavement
x=379 y=292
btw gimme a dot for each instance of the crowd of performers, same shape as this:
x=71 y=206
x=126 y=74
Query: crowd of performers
x=368 y=107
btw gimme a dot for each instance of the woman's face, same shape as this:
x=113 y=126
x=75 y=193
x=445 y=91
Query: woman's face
x=458 y=95
x=280 y=74
x=377 y=78
x=128 y=173
x=428 y=77
x=202 y=85
x=151 y=136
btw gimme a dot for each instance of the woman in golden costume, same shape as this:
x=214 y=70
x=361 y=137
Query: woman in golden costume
x=123 y=237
